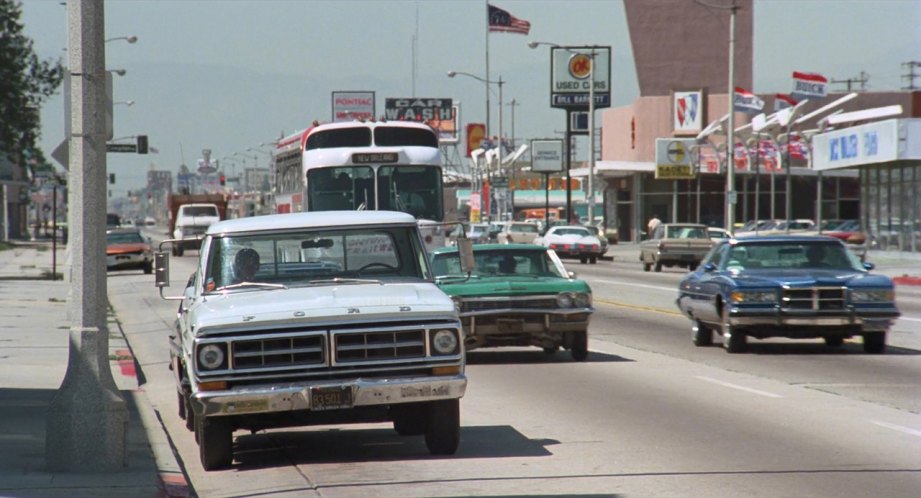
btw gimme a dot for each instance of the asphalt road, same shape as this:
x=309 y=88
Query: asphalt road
x=649 y=414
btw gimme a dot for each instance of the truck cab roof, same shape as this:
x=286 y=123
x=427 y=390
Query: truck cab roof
x=312 y=219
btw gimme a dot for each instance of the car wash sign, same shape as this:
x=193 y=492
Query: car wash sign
x=418 y=109
x=574 y=71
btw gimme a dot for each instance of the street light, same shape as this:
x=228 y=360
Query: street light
x=129 y=39
x=120 y=72
x=487 y=82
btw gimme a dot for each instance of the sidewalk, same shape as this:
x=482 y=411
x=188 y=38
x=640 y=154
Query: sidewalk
x=34 y=334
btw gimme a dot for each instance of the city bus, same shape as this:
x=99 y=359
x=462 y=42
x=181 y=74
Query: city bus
x=363 y=165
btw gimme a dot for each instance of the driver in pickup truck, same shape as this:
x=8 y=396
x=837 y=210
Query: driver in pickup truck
x=245 y=265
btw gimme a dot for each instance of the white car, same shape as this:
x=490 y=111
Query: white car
x=518 y=232
x=573 y=241
x=717 y=234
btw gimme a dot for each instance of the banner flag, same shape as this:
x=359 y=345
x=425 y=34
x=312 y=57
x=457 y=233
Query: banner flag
x=500 y=21
x=809 y=86
x=746 y=101
x=783 y=101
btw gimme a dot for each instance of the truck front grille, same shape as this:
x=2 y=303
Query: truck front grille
x=389 y=345
x=278 y=352
x=814 y=299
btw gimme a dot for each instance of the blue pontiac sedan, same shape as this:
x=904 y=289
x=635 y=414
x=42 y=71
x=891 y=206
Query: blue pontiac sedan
x=787 y=286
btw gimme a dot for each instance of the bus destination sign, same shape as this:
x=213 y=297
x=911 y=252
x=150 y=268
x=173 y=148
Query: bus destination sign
x=375 y=157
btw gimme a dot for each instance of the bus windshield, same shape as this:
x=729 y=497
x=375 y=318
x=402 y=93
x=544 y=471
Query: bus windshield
x=416 y=190
x=343 y=188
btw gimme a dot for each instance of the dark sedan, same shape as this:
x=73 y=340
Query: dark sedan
x=787 y=286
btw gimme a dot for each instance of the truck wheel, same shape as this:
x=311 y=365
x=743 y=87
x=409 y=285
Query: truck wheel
x=550 y=350
x=215 y=443
x=874 y=342
x=583 y=259
x=593 y=260
x=189 y=416
x=701 y=335
x=442 y=431
x=148 y=268
x=658 y=266
x=409 y=419
x=579 y=348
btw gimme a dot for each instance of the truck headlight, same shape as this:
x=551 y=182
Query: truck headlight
x=444 y=341
x=873 y=295
x=582 y=300
x=753 y=297
x=564 y=300
x=211 y=356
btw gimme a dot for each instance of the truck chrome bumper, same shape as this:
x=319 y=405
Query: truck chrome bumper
x=297 y=396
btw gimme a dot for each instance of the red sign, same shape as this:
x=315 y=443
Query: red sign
x=476 y=133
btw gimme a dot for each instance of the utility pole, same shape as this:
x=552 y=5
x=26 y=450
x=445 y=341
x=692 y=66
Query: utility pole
x=88 y=419
x=911 y=75
x=863 y=79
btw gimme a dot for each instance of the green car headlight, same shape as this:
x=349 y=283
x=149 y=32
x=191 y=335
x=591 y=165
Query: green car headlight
x=582 y=300
x=753 y=297
x=872 y=295
x=564 y=300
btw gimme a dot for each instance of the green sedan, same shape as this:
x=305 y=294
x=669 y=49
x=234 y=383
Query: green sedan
x=517 y=295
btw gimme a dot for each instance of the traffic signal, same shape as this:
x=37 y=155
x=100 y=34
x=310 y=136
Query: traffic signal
x=142 y=144
x=223 y=180
x=112 y=178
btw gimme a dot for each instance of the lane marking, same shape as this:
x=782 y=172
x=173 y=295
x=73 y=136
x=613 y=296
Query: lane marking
x=632 y=284
x=906 y=430
x=636 y=307
x=741 y=388
x=909 y=319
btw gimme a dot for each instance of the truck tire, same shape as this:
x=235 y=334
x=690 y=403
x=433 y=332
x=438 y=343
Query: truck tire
x=442 y=431
x=215 y=443
x=409 y=419
x=701 y=335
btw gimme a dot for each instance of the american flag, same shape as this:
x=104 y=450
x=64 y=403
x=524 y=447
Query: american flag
x=501 y=21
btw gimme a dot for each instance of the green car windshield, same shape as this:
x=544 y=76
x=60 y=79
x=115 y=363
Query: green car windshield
x=502 y=262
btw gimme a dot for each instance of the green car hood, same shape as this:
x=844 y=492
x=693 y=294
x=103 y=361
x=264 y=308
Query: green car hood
x=510 y=286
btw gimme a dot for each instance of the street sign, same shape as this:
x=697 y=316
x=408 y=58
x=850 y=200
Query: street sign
x=61 y=154
x=121 y=147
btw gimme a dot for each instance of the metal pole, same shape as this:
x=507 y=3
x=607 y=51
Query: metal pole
x=546 y=200
x=731 y=144
x=499 y=145
x=591 y=140
x=568 y=164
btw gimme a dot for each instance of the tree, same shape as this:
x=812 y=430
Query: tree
x=25 y=83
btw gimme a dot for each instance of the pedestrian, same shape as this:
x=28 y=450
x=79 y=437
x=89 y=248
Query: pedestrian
x=654 y=222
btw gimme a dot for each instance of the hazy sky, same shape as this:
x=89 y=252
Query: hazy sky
x=229 y=75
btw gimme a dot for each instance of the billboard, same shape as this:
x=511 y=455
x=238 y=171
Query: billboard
x=352 y=105
x=448 y=131
x=418 y=109
x=574 y=71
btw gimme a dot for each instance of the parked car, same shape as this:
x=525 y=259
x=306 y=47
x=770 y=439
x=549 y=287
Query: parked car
x=128 y=248
x=517 y=295
x=848 y=231
x=495 y=228
x=477 y=232
x=573 y=241
x=519 y=232
x=791 y=286
x=718 y=234
x=675 y=244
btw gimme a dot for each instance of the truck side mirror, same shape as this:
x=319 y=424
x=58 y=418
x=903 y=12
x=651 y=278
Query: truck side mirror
x=161 y=269
x=465 y=251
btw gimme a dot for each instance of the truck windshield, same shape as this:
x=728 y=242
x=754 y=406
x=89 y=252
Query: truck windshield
x=373 y=254
x=199 y=211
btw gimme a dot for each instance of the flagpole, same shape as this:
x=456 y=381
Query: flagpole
x=488 y=124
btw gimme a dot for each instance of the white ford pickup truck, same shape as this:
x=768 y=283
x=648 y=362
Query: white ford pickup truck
x=315 y=318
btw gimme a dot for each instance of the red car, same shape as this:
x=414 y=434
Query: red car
x=128 y=248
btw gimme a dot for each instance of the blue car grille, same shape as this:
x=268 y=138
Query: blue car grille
x=814 y=299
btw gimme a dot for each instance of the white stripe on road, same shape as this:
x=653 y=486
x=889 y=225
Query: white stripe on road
x=906 y=430
x=910 y=319
x=741 y=388
x=634 y=284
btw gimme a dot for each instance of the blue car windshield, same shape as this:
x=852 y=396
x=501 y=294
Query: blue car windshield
x=788 y=255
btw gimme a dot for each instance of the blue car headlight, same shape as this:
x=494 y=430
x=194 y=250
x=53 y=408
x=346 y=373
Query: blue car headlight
x=753 y=297
x=872 y=295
